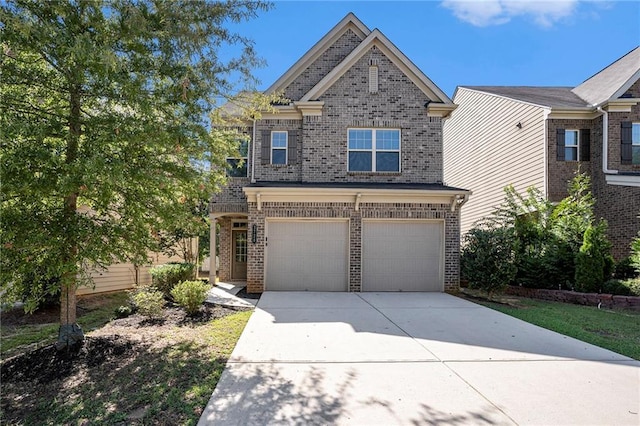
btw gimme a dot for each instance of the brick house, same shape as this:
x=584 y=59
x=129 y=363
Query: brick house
x=540 y=136
x=342 y=189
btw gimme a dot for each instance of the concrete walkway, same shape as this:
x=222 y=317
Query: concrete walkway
x=414 y=358
x=224 y=294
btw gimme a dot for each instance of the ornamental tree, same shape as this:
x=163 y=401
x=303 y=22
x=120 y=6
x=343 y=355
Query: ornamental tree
x=105 y=140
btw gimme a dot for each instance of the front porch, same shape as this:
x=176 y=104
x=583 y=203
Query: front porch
x=229 y=243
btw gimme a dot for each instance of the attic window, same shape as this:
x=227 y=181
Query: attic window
x=373 y=79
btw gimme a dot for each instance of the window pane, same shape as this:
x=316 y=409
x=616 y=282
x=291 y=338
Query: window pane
x=388 y=139
x=570 y=153
x=235 y=169
x=243 y=149
x=279 y=139
x=278 y=156
x=635 y=134
x=635 y=152
x=571 y=138
x=360 y=139
x=359 y=161
x=387 y=162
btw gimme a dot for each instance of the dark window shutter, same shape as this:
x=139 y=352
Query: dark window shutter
x=560 y=144
x=626 y=149
x=266 y=147
x=585 y=145
x=292 y=146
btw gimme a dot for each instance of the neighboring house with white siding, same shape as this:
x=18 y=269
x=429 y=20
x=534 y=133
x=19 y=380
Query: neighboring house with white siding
x=540 y=136
x=123 y=276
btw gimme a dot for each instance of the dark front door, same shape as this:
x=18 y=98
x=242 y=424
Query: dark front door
x=239 y=253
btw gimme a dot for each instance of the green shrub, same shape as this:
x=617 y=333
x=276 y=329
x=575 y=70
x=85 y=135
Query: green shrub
x=123 y=311
x=635 y=254
x=487 y=259
x=149 y=302
x=190 y=295
x=166 y=277
x=634 y=286
x=617 y=287
x=594 y=263
x=624 y=269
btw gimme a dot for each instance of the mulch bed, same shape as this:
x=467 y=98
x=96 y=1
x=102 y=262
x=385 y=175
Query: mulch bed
x=46 y=363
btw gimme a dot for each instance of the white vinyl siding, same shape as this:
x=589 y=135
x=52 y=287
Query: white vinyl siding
x=122 y=276
x=402 y=255
x=307 y=255
x=484 y=150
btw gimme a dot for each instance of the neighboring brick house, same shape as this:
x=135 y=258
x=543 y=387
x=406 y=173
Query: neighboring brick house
x=342 y=189
x=540 y=136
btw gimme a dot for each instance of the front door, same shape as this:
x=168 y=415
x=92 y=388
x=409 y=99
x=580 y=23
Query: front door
x=239 y=252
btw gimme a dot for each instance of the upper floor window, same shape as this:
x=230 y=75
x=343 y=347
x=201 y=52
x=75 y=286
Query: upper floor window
x=237 y=166
x=630 y=138
x=374 y=150
x=571 y=139
x=279 y=147
x=573 y=145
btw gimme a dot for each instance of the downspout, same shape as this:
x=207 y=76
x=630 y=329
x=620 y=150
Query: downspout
x=605 y=142
x=546 y=154
x=253 y=153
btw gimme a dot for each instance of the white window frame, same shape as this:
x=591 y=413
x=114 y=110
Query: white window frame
x=286 y=147
x=635 y=144
x=375 y=150
x=245 y=158
x=576 y=146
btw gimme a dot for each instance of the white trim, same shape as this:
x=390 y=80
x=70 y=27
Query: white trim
x=349 y=22
x=623 y=180
x=630 y=82
x=576 y=145
x=376 y=38
x=374 y=150
x=545 y=126
x=286 y=148
x=260 y=195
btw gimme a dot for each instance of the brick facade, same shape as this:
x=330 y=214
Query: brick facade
x=618 y=205
x=442 y=212
x=322 y=157
x=561 y=172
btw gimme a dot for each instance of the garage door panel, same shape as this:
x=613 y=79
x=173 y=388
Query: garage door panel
x=402 y=256
x=307 y=255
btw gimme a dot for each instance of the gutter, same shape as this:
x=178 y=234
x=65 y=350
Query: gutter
x=605 y=142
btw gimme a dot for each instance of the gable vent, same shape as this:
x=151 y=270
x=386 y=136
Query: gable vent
x=373 y=79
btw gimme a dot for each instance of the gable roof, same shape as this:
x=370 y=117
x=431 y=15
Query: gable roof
x=551 y=97
x=376 y=38
x=613 y=81
x=349 y=22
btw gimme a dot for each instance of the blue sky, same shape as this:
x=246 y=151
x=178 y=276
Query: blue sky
x=483 y=42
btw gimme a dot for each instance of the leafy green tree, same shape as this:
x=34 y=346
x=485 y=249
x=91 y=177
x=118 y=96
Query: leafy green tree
x=487 y=259
x=594 y=262
x=105 y=137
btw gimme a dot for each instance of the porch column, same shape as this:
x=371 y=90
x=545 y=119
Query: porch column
x=213 y=253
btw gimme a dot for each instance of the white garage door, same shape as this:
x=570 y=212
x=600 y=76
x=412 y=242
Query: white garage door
x=402 y=256
x=307 y=255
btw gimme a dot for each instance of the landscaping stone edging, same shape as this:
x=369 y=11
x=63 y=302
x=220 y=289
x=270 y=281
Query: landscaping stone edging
x=566 y=296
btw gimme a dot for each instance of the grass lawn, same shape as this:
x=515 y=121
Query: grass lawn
x=130 y=371
x=616 y=330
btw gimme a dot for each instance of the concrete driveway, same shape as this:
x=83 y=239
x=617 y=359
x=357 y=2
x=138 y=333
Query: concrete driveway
x=414 y=358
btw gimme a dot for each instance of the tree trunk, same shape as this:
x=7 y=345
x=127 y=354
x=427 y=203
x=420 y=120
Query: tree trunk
x=70 y=335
